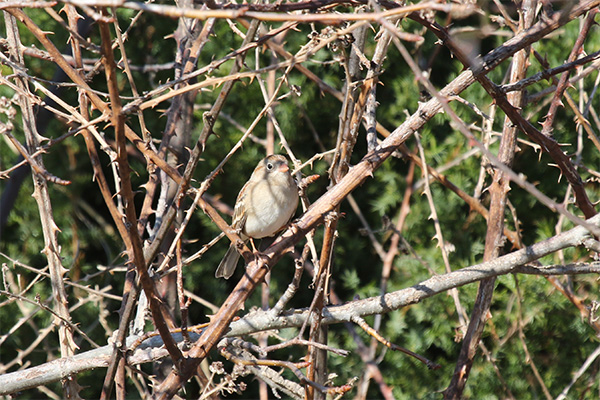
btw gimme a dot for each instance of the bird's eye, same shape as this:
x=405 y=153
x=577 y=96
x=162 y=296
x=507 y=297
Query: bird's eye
x=269 y=166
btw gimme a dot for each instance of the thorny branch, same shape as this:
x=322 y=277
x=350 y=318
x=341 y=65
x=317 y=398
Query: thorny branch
x=494 y=239
x=152 y=348
x=169 y=172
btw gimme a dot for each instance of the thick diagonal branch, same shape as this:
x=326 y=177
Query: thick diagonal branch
x=355 y=177
x=495 y=240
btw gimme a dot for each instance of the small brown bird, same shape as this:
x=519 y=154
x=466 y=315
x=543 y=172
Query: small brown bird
x=266 y=203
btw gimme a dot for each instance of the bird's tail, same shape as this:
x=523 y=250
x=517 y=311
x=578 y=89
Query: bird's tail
x=228 y=263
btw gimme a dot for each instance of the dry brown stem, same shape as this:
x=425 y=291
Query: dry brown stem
x=494 y=239
x=109 y=118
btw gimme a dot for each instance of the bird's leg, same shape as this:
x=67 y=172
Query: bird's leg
x=253 y=247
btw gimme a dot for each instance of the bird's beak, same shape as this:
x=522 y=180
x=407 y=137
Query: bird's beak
x=284 y=168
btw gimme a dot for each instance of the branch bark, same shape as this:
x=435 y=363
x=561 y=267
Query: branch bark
x=259 y=320
x=494 y=241
x=42 y=196
x=356 y=176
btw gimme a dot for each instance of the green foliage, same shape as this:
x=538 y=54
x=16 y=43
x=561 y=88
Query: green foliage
x=558 y=340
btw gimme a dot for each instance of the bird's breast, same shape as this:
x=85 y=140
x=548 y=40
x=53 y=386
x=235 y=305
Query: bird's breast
x=271 y=208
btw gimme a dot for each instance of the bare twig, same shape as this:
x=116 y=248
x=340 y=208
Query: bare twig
x=264 y=320
x=494 y=239
x=42 y=196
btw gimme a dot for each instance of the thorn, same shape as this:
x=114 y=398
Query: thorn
x=55 y=228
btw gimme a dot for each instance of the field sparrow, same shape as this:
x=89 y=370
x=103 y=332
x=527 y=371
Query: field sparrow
x=264 y=206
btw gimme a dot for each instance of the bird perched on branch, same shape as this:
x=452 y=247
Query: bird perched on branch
x=265 y=205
